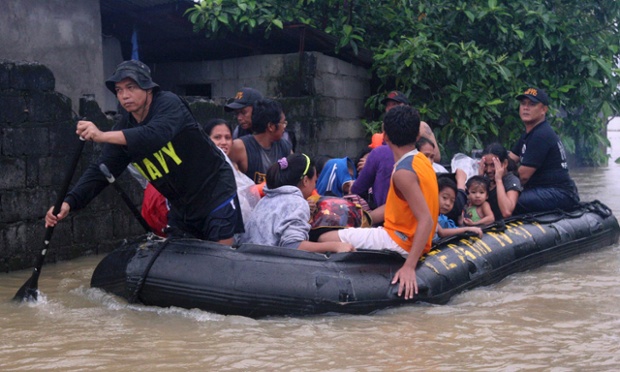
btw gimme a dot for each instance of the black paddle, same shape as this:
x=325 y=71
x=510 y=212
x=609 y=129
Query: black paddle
x=108 y=175
x=29 y=291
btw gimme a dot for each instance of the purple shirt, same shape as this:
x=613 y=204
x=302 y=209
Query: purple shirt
x=376 y=173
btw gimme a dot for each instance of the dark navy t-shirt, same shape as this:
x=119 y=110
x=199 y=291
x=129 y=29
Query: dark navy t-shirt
x=542 y=149
x=260 y=159
x=170 y=149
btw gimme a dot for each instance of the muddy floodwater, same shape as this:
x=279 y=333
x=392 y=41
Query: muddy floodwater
x=561 y=317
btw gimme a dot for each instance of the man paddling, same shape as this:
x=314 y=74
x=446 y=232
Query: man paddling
x=160 y=137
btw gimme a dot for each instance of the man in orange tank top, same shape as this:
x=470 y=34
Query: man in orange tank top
x=412 y=205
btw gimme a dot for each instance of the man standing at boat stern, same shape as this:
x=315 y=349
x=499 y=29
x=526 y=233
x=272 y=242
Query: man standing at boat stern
x=160 y=137
x=543 y=168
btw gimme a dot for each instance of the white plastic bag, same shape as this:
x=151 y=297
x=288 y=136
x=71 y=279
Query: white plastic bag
x=469 y=165
x=247 y=193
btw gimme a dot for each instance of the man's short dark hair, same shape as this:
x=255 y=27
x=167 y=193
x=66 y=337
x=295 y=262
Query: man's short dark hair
x=402 y=125
x=265 y=111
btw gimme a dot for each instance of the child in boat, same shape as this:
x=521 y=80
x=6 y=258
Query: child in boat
x=447 y=195
x=412 y=205
x=336 y=177
x=478 y=210
x=281 y=217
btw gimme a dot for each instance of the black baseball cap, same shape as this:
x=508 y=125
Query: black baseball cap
x=535 y=95
x=245 y=97
x=135 y=70
x=397 y=96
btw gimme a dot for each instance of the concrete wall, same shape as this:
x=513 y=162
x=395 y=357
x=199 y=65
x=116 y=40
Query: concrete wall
x=112 y=56
x=37 y=138
x=323 y=96
x=64 y=35
x=37 y=141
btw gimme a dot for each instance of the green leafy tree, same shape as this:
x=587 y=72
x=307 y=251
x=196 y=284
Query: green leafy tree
x=463 y=62
x=217 y=18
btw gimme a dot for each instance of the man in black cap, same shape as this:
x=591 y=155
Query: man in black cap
x=393 y=99
x=543 y=169
x=242 y=106
x=397 y=98
x=161 y=138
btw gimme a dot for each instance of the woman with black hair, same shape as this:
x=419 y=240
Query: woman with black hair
x=220 y=133
x=281 y=217
x=505 y=187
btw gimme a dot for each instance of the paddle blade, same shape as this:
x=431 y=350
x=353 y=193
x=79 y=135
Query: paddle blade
x=29 y=291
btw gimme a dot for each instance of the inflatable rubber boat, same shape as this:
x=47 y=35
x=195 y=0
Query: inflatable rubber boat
x=258 y=281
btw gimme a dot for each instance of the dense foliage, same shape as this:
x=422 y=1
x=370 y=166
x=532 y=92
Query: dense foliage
x=463 y=62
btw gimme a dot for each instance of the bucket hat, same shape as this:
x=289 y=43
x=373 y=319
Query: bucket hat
x=136 y=70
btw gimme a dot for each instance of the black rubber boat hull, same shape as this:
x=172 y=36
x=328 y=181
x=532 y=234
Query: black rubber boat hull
x=258 y=281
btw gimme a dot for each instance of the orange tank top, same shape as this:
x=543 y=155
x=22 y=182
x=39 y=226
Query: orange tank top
x=400 y=223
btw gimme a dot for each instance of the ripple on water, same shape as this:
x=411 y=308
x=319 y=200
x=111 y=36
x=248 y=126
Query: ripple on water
x=563 y=316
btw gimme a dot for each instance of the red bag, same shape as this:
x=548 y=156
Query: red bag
x=155 y=210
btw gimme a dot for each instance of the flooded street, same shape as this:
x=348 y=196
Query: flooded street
x=563 y=316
